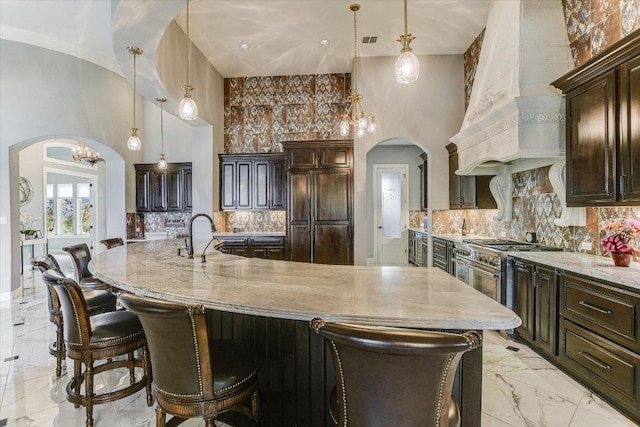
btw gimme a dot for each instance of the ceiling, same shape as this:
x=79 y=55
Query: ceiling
x=284 y=35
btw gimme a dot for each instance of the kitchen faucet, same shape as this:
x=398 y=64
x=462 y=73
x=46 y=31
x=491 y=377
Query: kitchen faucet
x=213 y=230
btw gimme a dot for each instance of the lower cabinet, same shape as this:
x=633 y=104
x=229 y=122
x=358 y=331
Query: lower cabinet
x=442 y=254
x=266 y=247
x=590 y=328
x=535 y=303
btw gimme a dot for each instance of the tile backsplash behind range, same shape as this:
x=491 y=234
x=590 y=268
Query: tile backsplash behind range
x=535 y=207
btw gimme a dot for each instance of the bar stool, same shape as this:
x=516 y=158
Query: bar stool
x=194 y=376
x=389 y=376
x=97 y=302
x=81 y=257
x=113 y=242
x=106 y=336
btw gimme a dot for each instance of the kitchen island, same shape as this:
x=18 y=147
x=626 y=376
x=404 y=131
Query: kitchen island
x=268 y=303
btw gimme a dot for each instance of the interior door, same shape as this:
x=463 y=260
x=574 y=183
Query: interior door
x=392 y=216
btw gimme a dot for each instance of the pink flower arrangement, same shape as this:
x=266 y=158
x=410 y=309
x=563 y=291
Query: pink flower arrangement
x=618 y=233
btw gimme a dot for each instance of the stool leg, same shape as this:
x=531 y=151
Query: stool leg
x=146 y=366
x=77 y=378
x=59 y=349
x=132 y=364
x=255 y=405
x=88 y=389
x=160 y=417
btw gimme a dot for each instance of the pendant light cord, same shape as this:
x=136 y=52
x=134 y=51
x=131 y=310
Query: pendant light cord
x=134 y=89
x=405 y=17
x=162 y=126
x=188 y=44
x=355 y=51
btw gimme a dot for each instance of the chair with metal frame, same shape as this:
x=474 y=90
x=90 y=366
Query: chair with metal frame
x=114 y=337
x=113 y=242
x=193 y=375
x=97 y=302
x=393 y=376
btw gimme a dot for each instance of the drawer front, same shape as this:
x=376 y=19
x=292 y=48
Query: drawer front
x=612 y=371
x=440 y=250
x=609 y=312
x=267 y=240
x=237 y=241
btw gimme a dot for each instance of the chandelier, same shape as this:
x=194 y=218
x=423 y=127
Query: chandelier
x=187 y=108
x=407 y=65
x=355 y=115
x=82 y=153
x=162 y=163
x=134 y=142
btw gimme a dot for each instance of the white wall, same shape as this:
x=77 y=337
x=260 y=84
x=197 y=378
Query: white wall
x=427 y=112
x=48 y=95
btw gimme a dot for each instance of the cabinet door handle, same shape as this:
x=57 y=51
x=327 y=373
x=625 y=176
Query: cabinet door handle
x=621 y=184
x=593 y=307
x=610 y=182
x=593 y=360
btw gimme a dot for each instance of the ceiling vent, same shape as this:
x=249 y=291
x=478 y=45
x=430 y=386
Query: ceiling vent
x=369 y=39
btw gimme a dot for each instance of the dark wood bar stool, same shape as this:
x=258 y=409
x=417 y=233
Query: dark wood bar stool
x=104 y=337
x=113 y=242
x=81 y=257
x=389 y=376
x=194 y=376
x=97 y=302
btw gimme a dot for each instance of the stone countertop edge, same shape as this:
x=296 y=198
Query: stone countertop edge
x=425 y=298
x=458 y=237
x=597 y=267
x=250 y=233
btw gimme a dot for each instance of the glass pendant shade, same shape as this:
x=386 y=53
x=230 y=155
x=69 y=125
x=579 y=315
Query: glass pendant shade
x=407 y=68
x=373 y=126
x=134 y=142
x=162 y=163
x=344 y=128
x=188 y=109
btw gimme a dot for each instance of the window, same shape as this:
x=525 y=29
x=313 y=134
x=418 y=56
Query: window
x=68 y=208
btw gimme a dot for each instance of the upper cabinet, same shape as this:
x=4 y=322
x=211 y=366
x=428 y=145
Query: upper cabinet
x=603 y=127
x=424 y=182
x=163 y=190
x=468 y=192
x=252 y=181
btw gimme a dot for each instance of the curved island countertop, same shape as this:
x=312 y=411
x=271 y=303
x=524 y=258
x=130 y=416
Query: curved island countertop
x=388 y=296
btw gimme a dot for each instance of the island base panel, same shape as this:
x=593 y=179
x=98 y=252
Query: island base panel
x=296 y=371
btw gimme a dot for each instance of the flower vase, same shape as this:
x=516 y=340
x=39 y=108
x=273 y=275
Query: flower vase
x=621 y=259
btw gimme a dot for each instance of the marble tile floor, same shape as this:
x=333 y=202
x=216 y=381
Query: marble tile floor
x=520 y=388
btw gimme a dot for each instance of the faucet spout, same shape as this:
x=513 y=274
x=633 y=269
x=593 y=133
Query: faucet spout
x=213 y=230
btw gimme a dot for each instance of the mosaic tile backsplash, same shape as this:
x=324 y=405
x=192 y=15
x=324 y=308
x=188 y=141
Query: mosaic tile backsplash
x=535 y=207
x=224 y=221
x=261 y=112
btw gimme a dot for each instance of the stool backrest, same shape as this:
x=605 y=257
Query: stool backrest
x=113 y=242
x=178 y=344
x=77 y=327
x=81 y=257
x=45 y=263
x=390 y=376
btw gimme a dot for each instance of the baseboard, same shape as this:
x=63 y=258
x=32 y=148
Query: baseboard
x=371 y=261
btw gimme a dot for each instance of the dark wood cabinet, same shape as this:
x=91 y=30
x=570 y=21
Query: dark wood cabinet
x=252 y=181
x=468 y=192
x=266 y=247
x=411 y=249
x=424 y=182
x=320 y=201
x=442 y=254
x=535 y=303
x=603 y=127
x=599 y=339
x=168 y=190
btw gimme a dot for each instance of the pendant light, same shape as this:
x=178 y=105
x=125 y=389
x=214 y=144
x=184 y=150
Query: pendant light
x=188 y=109
x=162 y=163
x=355 y=115
x=134 y=142
x=407 y=65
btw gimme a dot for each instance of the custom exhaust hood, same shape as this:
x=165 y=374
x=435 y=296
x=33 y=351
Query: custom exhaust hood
x=516 y=120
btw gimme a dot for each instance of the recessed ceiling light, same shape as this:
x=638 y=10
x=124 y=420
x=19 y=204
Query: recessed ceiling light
x=324 y=42
x=244 y=46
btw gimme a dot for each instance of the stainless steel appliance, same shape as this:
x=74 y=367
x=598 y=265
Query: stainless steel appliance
x=482 y=263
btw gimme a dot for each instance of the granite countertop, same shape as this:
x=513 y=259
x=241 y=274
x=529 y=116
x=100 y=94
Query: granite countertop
x=458 y=237
x=419 y=230
x=249 y=233
x=594 y=266
x=425 y=298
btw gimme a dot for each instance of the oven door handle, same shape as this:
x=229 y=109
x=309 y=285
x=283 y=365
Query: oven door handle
x=484 y=271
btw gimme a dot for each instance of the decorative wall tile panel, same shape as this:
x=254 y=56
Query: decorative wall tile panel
x=629 y=16
x=471 y=57
x=259 y=112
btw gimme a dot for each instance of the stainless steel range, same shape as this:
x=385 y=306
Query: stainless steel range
x=482 y=263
